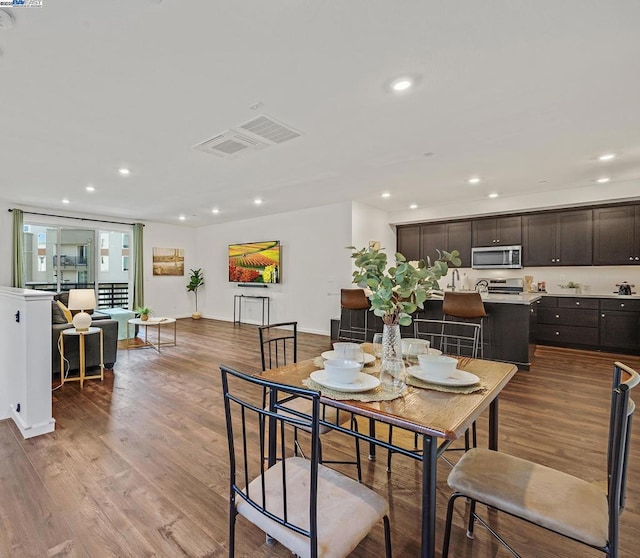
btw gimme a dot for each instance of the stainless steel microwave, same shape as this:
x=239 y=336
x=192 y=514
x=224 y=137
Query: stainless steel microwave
x=496 y=257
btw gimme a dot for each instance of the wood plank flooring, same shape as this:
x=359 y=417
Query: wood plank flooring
x=137 y=465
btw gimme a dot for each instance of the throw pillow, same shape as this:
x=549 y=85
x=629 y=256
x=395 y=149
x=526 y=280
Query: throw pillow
x=65 y=311
x=57 y=316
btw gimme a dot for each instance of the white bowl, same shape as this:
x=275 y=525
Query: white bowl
x=342 y=371
x=438 y=366
x=346 y=350
x=408 y=343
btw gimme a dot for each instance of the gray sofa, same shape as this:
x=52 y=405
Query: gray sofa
x=92 y=342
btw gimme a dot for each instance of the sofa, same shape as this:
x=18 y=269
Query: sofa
x=92 y=342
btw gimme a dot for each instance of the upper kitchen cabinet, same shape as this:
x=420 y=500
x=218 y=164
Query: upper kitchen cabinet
x=558 y=238
x=616 y=235
x=501 y=230
x=446 y=236
x=408 y=241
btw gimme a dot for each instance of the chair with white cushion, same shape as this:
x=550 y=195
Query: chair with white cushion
x=312 y=510
x=549 y=498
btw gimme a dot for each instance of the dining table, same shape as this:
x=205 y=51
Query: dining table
x=437 y=417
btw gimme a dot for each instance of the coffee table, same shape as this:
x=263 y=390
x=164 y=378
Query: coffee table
x=151 y=322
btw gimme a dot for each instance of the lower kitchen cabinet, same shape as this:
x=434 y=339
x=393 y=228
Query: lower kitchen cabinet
x=605 y=324
x=620 y=324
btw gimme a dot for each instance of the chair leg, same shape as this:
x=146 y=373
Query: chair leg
x=387 y=536
x=389 y=452
x=472 y=519
x=354 y=426
x=447 y=530
x=232 y=528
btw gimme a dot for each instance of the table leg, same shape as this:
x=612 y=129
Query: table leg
x=101 y=354
x=61 y=341
x=429 y=466
x=158 y=346
x=372 y=435
x=493 y=425
x=82 y=361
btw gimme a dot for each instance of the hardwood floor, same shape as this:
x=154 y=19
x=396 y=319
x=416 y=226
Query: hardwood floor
x=137 y=465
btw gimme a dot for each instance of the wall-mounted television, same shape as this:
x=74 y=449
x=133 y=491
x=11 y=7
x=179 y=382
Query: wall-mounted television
x=255 y=262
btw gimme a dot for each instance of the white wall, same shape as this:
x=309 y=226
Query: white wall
x=167 y=295
x=314 y=266
x=370 y=223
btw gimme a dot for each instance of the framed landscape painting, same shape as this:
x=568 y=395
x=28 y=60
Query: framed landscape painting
x=255 y=262
x=168 y=261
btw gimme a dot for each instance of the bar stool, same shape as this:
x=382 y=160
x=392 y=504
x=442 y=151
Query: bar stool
x=352 y=301
x=465 y=307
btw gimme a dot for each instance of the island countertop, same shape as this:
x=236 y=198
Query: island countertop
x=524 y=298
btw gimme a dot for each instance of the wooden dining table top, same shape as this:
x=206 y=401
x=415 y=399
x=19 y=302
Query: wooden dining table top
x=433 y=413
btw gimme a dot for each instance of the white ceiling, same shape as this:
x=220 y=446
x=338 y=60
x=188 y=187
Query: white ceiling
x=525 y=94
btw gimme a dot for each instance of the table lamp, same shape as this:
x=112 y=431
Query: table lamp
x=82 y=299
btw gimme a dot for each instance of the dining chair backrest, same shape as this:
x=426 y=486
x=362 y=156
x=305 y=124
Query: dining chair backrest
x=251 y=484
x=458 y=338
x=618 y=450
x=278 y=344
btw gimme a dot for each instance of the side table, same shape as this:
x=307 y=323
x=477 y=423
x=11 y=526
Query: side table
x=147 y=323
x=81 y=357
x=237 y=301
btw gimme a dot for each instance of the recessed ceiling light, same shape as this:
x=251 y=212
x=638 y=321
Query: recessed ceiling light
x=182 y=217
x=386 y=195
x=493 y=195
x=215 y=211
x=90 y=188
x=607 y=157
x=257 y=201
x=474 y=180
x=413 y=206
x=65 y=200
x=124 y=171
x=401 y=84
x=603 y=180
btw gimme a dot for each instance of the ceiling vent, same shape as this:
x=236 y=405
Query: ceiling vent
x=254 y=135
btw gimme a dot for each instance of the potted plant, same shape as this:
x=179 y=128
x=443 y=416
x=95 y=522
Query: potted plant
x=571 y=287
x=397 y=291
x=144 y=312
x=196 y=280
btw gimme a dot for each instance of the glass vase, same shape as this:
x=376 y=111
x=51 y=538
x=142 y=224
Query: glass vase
x=391 y=342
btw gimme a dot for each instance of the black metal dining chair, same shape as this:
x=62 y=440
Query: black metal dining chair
x=312 y=510
x=552 y=499
x=279 y=347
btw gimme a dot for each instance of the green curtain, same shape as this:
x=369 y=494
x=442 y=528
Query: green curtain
x=17 y=262
x=138 y=266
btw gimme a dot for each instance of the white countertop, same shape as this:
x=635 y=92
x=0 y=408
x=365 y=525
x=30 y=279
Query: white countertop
x=524 y=298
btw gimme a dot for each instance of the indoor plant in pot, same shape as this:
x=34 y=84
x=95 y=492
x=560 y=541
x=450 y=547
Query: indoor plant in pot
x=398 y=291
x=144 y=312
x=196 y=280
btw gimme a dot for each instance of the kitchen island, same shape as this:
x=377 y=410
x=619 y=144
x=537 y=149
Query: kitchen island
x=509 y=330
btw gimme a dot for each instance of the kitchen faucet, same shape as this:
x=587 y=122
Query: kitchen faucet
x=454 y=273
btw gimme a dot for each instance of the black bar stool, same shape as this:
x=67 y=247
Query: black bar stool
x=354 y=304
x=465 y=307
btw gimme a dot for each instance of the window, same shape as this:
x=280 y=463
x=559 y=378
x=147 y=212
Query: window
x=104 y=240
x=104 y=263
x=42 y=263
x=125 y=240
x=42 y=240
x=125 y=263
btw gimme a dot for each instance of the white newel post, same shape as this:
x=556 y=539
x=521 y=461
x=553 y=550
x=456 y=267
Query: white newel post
x=25 y=360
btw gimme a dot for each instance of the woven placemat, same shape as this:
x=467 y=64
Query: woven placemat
x=475 y=388
x=370 y=396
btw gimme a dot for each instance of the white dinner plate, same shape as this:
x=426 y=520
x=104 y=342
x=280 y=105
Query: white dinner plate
x=457 y=378
x=364 y=382
x=332 y=354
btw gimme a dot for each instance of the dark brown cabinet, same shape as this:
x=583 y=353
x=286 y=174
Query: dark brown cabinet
x=501 y=230
x=421 y=241
x=620 y=324
x=408 y=242
x=568 y=321
x=616 y=235
x=558 y=238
